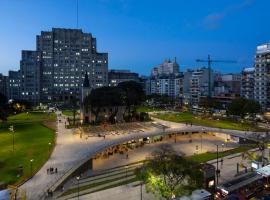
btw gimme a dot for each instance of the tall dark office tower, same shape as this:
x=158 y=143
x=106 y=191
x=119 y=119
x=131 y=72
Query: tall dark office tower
x=62 y=58
x=30 y=76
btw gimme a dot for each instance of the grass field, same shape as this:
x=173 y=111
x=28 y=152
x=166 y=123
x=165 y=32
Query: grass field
x=68 y=113
x=196 y=120
x=147 y=109
x=32 y=140
x=204 y=157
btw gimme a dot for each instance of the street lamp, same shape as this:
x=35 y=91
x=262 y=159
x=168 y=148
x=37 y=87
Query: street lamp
x=31 y=167
x=49 y=147
x=78 y=179
x=12 y=131
x=141 y=190
x=217 y=171
x=201 y=139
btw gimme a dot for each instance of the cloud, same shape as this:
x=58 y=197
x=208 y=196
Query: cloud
x=213 y=20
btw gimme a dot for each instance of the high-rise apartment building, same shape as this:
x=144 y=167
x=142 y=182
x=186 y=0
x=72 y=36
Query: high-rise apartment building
x=14 y=85
x=247 y=83
x=262 y=74
x=196 y=83
x=166 y=79
x=4 y=85
x=170 y=85
x=62 y=58
x=30 y=76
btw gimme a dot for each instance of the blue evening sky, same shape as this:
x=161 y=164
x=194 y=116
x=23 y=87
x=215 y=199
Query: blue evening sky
x=139 y=34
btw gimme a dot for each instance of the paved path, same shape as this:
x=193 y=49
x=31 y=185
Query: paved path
x=71 y=152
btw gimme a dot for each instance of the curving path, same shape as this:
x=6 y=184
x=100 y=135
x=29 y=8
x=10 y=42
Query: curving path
x=71 y=152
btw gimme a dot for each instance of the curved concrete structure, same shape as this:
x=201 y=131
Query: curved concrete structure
x=174 y=128
x=72 y=152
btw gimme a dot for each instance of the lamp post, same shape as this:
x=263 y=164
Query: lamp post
x=222 y=147
x=31 y=167
x=201 y=139
x=12 y=131
x=49 y=147
x=217 y=171
x=78 y=188
x=141 y=189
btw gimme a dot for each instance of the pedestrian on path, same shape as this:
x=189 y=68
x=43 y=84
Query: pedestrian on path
x=56 y=170
x=127 y=156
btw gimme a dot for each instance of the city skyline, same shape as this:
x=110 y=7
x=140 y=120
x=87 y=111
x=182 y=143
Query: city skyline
x=138 y=35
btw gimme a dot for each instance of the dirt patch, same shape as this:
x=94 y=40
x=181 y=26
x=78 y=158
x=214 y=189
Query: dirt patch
x=50 y=124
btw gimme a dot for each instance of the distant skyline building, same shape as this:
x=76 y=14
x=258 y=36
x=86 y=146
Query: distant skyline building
x=247 y=83
x=262 y=72
x=166 y=68
x=170 y=85
x=117 y=76
x=165 y=79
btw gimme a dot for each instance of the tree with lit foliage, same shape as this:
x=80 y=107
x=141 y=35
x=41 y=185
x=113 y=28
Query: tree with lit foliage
x=168 y=175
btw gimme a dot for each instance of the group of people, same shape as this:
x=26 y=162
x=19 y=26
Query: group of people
x=52 y=170
x=188 y=123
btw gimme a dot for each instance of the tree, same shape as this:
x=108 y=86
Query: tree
x=242 y=106
x=210 y=103
x=167 y=174
x=110 y=97
x=133 y=94
x=161 y=100
x=74 y=105
x=251 y=107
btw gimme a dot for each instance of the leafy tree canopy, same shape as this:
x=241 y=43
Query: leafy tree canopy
x=167 y=174
x=242 y=106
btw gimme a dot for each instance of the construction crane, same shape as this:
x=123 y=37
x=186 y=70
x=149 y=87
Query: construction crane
x=209 y=61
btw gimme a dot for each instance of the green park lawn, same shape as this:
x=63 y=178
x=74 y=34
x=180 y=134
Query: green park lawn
x=32 y=140
x=188 y=117
x=68 y=113
x=204 y=157
x=147 y=109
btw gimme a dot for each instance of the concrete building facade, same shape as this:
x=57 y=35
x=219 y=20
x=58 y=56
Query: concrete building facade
x=166 y=68
x=262 y=76
x=247 y=83
x=196 y=83
x=30 y=76
x=165 y=79
x=14 y=85
x=55 y=71
x=170 y=85
x=4 y=85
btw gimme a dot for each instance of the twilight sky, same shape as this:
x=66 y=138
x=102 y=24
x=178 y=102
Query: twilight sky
x=139 y=34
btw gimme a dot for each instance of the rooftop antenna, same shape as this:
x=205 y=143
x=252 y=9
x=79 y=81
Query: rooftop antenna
x=77 y=14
